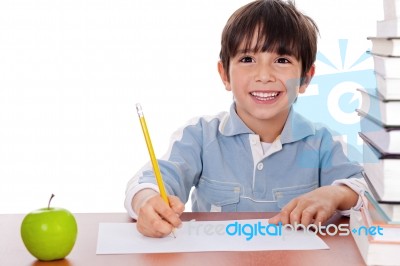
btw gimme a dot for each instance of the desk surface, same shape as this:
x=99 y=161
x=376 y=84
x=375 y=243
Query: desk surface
x=343 y=250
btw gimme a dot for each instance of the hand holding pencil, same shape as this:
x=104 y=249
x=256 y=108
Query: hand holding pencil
x=158 y=214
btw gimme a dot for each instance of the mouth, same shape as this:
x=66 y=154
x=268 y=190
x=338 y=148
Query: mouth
x=265 y=96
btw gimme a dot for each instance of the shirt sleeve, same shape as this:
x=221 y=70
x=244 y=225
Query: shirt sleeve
x=131 y=192
x=358 y=185
x=334 y=163
x=180 y=167
x=337 y=169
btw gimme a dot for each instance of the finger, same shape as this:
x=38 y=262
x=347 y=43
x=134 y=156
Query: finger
x=149 y=223
x=307 y=216
x=176 y=204
x=286 y=213
x=321 y=217
x=295 y=216
x=275 y=219
x=166 y=212
x=161 y=219
x=157 y=228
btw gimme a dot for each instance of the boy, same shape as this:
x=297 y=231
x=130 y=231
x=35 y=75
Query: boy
x=261 y=156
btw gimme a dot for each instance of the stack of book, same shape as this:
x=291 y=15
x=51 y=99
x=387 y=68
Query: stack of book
x=377 y=240
x=380 y=131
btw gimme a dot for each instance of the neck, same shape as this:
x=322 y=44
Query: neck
x=268 y=129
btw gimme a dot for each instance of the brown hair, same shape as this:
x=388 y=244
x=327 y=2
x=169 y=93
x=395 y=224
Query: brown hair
x=280 y=27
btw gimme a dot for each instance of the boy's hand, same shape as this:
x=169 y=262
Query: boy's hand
x=316 y=206
x=156 y=218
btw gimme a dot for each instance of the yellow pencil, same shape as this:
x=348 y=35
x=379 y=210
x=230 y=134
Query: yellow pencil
x=153 y=158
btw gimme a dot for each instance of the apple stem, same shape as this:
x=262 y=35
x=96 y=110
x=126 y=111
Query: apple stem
x=52 y=196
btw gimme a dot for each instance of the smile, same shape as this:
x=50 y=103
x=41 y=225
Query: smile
x=265 y=96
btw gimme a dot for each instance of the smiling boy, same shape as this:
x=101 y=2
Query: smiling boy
x=261 y=156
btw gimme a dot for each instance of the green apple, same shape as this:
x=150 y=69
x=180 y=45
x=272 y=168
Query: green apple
x=49 y=233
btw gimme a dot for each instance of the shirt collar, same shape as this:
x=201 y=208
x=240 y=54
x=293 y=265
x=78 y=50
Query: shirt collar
x=232 y=124
x=296 y=127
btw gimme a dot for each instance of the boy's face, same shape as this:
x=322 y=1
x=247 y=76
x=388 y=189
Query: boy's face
x=264 y=85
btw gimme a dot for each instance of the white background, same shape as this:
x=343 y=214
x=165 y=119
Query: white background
x=71 y=72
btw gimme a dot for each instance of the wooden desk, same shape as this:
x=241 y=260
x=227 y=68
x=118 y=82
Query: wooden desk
x=343 y=250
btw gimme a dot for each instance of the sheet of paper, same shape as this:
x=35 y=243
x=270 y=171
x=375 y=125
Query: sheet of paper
x=202 y=236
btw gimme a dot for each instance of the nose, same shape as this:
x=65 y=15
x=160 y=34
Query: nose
x=264 y=74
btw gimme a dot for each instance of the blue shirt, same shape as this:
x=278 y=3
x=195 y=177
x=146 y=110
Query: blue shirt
x=224 y=161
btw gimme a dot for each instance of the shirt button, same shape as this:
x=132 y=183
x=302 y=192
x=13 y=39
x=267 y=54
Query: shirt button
x=260 y=166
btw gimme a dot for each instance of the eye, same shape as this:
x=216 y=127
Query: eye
x=282 y=60
x=247 y=59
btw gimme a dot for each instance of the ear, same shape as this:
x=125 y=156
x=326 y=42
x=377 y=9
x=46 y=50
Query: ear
x=224 y=76
x=307 y=79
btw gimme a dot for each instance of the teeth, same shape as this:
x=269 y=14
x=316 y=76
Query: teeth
x=267 y=95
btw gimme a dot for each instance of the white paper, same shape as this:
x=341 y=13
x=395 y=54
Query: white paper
x=202 y=236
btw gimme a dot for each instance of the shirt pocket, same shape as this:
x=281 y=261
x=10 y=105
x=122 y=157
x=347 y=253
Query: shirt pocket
x=219 y=195
x=286 y=194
